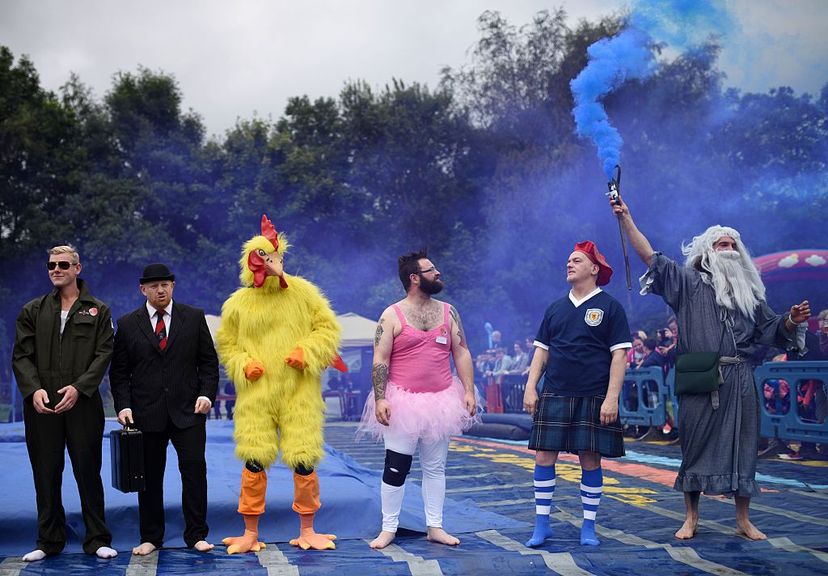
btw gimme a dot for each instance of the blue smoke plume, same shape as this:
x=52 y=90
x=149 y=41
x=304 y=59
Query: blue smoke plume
x=683 y=23
x=628 y=55
x=611 y=62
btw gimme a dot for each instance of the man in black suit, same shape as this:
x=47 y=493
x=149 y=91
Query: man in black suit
x=164 y=376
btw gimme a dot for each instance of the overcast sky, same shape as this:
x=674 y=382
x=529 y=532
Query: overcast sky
x=245 y=57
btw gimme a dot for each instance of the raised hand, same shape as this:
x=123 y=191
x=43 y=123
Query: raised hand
x=800 y=312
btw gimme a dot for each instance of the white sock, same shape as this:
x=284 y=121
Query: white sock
x=202 y=546
x=106 y=552
x=34 y=556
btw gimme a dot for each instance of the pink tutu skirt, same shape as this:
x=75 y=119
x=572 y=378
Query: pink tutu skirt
x=426 y=415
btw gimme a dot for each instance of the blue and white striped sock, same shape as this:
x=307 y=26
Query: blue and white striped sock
x=544 y=490
x=592 y=485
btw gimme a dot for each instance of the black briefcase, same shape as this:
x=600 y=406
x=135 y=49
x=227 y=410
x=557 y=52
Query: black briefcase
x=127 y=449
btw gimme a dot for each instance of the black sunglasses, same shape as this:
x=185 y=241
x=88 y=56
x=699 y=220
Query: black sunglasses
x=62 y=264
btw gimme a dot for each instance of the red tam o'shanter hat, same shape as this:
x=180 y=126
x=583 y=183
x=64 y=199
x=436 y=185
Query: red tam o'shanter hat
x=591 y=251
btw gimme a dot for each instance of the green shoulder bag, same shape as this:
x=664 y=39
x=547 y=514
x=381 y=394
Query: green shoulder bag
x=698 y=372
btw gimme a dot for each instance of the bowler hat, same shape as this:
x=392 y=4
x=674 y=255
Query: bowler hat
x=591 y=251
x=155 y=273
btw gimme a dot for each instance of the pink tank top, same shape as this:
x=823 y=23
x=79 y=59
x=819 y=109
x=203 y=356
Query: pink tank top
x=420 y=358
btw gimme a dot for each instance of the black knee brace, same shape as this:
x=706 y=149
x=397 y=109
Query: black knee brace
x=397 y=467
x=302 y=471
x=253 y=466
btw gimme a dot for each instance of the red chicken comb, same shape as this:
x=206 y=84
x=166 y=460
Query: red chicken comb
x=269 y=232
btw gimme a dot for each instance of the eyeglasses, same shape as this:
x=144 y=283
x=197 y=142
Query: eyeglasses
x=62 y=264
x=432 y=269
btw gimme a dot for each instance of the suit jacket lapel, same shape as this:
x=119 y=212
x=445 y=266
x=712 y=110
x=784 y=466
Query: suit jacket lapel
x=179 y=322
x=146 y=326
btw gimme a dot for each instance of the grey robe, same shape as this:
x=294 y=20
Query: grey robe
x=719 y=447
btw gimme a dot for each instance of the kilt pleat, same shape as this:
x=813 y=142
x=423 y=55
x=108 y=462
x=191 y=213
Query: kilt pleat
x=572 y=424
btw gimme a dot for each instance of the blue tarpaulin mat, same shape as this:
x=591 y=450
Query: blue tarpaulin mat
x=490 y=507
x=349 y=492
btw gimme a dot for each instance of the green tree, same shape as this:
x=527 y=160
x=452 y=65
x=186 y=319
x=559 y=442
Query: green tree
x=146 y=194
x=36 y=140
x=37 y=143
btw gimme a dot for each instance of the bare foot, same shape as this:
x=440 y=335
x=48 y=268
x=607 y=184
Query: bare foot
x=383 y=540
x=688 y=529
x=441 y=537
x=241 y=544
x=749 y=531
x=143 y=549
x=203 y=546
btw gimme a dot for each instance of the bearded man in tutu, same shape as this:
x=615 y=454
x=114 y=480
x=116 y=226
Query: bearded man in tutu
x=417 y=400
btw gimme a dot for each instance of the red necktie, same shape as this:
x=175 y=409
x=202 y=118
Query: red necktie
x=161 y=330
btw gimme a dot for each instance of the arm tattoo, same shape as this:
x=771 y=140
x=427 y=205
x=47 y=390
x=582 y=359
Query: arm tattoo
x=379 y=378
x=379 y=332
x=460 y=334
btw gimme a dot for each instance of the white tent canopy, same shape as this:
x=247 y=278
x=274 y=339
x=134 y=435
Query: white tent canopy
x=357 y=331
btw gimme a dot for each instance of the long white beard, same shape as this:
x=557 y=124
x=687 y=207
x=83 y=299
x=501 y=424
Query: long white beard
x=736 y=287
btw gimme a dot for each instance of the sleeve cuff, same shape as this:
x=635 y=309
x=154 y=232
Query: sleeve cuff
x=541 y=345
x=648 y=278
x=799 y=337
x=620 y=345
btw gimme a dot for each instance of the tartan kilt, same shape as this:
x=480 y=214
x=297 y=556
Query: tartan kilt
x=572 y=424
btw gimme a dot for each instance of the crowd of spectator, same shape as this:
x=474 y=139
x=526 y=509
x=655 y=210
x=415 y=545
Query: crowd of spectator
x=502 y=372
x=647 y=351
x=659 y=350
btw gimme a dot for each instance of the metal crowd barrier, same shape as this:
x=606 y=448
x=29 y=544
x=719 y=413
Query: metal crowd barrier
x=513 y=388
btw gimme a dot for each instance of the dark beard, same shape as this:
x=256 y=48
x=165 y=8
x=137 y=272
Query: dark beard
x=430 y=287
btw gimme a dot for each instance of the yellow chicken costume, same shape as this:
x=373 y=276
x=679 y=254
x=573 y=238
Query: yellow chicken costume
x=277 y=334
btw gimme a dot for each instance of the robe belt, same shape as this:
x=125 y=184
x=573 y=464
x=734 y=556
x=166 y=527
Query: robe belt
x=724 y=361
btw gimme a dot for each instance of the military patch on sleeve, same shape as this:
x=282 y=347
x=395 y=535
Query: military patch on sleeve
x=594 y=316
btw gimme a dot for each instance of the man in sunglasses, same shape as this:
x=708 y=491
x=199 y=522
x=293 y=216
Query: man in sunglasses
x=63 y=343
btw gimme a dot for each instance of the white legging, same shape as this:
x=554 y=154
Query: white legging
x=433 y=464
